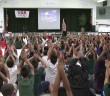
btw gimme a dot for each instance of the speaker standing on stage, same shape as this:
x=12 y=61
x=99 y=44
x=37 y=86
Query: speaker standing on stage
x=64 y=28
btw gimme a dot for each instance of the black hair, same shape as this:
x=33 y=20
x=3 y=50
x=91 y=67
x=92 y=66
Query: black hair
x=91 y=56
x=53 y=58
x=45 y=52
x=25 y=72
x=10 y=63
x=46 y=48
x=35 y=64
x=7 y=89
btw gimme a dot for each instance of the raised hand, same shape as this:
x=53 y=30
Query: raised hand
x=23 y=55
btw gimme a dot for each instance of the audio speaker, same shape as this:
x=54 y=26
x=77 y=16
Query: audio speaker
x=105 y=3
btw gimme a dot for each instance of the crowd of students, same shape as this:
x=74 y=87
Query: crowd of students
x=68 y=65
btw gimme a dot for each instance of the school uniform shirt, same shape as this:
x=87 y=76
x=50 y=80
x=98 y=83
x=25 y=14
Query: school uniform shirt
x=51 y=72
x=26 y=86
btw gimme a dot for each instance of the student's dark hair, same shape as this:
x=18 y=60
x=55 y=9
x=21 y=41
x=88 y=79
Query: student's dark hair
x=25 y=72
x=10 y=63
x=7 y=89
x=46 y=48
x=45 y=52
x=53 y=58
x=35 y=64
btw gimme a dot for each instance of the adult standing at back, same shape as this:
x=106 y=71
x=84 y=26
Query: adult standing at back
x=64 y=28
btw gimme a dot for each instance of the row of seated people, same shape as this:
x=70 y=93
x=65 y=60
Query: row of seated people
x=63 y=66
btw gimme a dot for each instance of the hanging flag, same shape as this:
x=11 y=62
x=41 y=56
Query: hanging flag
x=6 y=21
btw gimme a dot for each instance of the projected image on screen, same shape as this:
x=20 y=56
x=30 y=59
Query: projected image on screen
x=48 y=19
x=49 y=16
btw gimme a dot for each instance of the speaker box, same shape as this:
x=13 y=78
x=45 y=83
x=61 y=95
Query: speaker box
x=105 y=3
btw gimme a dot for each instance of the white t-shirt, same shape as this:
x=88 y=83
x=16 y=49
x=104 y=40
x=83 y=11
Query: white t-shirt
x=44 y=58
x=51 y=72
x=13 y=74
x=1 y=94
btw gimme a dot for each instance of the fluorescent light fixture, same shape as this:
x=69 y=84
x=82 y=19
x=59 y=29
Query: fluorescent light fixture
x=101 y=0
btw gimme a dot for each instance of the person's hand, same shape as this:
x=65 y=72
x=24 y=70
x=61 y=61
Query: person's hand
x=61 y=60
x=36 y=56
x=23 y=55
x=24 y=47
x=10 y=52
x=105 y=49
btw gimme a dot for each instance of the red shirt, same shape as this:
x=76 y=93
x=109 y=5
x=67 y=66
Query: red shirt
x=0 y=52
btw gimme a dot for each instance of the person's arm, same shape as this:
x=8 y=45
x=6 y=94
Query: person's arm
x=30 y=65
x=40 y=59
x=102 y=54
x=13 y=59
x=24 y=58
x=50 y=51
x=106 y=77
x=63 y=75
x=56 y=85
x=6 y=70
x=15 y=55
x=21 y=61
x=32 y=58
x=20 y=66
x=3 y=77
x=7 y=58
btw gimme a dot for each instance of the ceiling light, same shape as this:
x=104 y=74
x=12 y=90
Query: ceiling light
x=101 y=0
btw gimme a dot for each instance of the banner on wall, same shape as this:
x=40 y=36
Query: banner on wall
x=21 y=14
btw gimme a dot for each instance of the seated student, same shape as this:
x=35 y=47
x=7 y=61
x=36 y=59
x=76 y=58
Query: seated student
x=99 y=72
x=78 y=75
x=8 y=90
x=38 y=72
x=57 y=90
x=25 y=77
x=12 y=67
x=51 y=67
x=91 y=57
